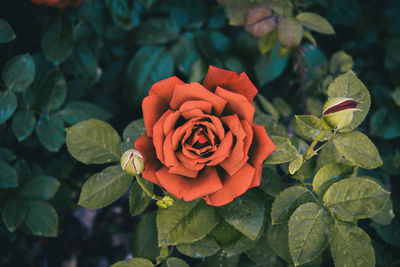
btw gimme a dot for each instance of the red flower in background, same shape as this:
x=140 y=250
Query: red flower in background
x=61 y=4
x=201 y=140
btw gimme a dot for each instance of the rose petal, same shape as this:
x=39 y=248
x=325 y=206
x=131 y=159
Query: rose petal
x=233 y=186
x=262 y=145
x=145 y=146
x=237 y=104
x=222 y=152
x=257 y=176
x=260 y=149
x=189 y=189
x=231 y=81
x=205 y=106
x=195 y=91
x=237 y=158
x=159 y=136
x=157 y=102
x=182 y=170
x=170 y=122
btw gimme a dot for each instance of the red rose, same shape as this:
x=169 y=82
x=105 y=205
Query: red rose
x=61 y=4
x=201 y=140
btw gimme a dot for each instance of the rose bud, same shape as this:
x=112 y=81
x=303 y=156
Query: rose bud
x=338 y=112
x=132 y=162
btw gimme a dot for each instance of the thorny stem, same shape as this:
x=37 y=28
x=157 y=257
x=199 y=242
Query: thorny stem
x=311 y=192
x=355 y=171
x=145 y=189
x=310 y=151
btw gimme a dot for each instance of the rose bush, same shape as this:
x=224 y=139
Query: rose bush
x=201 y=140
x=61 y=4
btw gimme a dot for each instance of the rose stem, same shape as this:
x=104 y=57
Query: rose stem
x=145 y=189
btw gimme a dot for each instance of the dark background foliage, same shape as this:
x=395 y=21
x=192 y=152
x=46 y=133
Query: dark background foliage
x=119 y=49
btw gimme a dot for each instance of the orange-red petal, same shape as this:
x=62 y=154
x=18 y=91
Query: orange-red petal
x=195 y=91
x=144 y=145
x=231 y=81
x=189 y=189
x=157 y=102
x=234 y=186
x=237 y=104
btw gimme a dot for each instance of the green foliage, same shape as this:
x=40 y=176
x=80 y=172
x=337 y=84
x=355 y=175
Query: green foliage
x=185 y=222
x=245 y=213
x=355 y=198
x=97 y=63
x=93 y=142
x=6 y=32
x=350 y=245
x=359 y=149
x=103 y=188
x=18 y=73
x=308 y=232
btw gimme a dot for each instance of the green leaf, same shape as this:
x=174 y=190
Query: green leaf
x=41 y=187
x=284 y=151
x=93 y=142
x=308 y=232
x=278 y=240
x=290 y=32
x=77 y=111
x=309 y=126
x=295 y=164
x=134 y=130
x=348 y=85
x=120 y=13
x=138 y=199
x=267 y=106
x=385 y=123
x=175 y=262
x=133 y=262
x=148 y=66
x=19 y=72
x=156 y=31
x=386 y=215
x=262 y=253
x=389 y=233
x=83 y=64
x=105 y=187
x=203 y=248
x=50 y=131
x=8 y=176
x=42 y=218
x=58 y=39
x=14 y=213
x=350 y=245
x=329 y=155
x=185 y=52
x=8 y=104
x=328 y=175
x=271 y=183
x=53 y=91
x=340 y=62
x=23 y=123
x=355 y=198
x=358 y=148
x=221 y=260
x=315 y=22
x=396 y=96
x=268 y=41
x=7 y=155
x=6 y=32
x=245 y=213
x=144 y=238
x=231 y=241
x=185 y=222
x=287 y=201
x=270 y=66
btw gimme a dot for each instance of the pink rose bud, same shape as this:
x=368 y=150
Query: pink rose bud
x=132 y=162
x=338 y=112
